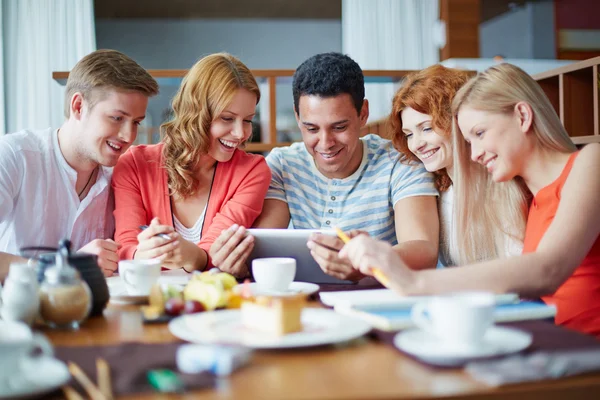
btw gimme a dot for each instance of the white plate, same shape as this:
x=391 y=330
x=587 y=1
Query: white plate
x=118 y=294
x=294 y=288
x=496 y=342
x=225 y=327
x=40 y=375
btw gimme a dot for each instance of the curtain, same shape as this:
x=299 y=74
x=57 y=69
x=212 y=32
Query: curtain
x=389 y=34
x=39 y=37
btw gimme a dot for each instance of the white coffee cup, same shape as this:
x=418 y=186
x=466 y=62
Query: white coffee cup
x=459 y=320
x=17 y=345
x=139 y=275
x=274 y=274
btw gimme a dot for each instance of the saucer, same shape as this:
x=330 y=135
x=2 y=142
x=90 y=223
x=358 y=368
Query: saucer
x=429 y=348
x=294 y=288
x=40 y=375
x=118 y=293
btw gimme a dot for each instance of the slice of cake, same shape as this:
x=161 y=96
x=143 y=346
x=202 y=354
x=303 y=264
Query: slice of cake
x=276 y=315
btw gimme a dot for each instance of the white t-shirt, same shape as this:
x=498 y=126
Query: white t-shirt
x=513 y=247
x=38 y=202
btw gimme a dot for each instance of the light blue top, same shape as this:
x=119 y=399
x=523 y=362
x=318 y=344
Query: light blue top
x=365 y=200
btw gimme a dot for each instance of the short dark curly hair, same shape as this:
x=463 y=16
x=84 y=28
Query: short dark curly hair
x=329 y=75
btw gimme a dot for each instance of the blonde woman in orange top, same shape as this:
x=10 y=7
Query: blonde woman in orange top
x=515 y=133
x=198 y=181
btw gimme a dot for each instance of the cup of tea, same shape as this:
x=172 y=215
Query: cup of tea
x=18 y=344
x=459 y=320
x=274 y=273
x=138 y=276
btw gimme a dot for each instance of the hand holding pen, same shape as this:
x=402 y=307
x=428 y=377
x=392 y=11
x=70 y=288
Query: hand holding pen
x=156 y=241
x=380 y=259
x=376 y=272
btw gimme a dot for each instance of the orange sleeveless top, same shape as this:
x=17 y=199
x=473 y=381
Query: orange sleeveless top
x=578 y=299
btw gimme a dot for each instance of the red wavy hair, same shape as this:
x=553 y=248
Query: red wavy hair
x=429 y=91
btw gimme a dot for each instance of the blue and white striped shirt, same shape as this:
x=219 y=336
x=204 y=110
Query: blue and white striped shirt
x=365 y=200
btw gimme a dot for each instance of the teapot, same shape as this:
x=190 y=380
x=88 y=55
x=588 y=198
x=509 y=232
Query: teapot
x=65 y=299
x=85 y=263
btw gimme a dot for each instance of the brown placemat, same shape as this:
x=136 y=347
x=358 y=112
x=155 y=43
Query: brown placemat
x=129 y=363
x=547 y=337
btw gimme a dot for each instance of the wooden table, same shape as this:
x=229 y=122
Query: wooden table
x=363 y=369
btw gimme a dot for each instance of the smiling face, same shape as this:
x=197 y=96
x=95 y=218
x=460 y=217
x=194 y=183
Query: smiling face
x=497 y=141
x=435 y=151
x=109 y=127
x=330 y=129
x=233 y=126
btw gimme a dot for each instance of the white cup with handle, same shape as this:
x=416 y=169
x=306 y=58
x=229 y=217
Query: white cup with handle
x=459 y=320
x=18 y=344
x=139 y=276
x=274 y=274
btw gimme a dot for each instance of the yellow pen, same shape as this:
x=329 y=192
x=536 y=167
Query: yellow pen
x=380 y=276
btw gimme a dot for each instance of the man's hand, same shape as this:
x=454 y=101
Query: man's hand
x=231 y=251
x=106 y=250
x=325 y=249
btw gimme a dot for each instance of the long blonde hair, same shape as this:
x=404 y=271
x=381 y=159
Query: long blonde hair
x=206 y=90
x=498 y=90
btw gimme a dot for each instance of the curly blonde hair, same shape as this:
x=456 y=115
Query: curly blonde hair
x=206 y=90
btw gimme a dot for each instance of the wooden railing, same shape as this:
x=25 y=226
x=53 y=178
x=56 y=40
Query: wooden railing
x=573 y=91
x=271 y=78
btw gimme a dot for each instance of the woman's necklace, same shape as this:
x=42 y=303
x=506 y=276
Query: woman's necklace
x=87 y=183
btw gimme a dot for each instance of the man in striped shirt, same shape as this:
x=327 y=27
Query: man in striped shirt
x=337 y=178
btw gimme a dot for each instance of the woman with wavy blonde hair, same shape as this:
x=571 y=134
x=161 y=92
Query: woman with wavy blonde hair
x=421 y=126
x=515 y=133
x=198 y=181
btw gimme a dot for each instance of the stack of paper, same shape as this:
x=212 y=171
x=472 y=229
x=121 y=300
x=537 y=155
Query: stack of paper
x=386 y=310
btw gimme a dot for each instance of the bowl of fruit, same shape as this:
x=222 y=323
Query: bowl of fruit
x=205 y=291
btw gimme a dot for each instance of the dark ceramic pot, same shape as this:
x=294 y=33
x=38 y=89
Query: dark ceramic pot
x=87 y=266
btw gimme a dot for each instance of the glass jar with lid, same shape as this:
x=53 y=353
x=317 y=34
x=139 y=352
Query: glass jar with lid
x=65 y=299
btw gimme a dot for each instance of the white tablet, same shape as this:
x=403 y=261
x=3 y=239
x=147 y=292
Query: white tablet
x=292 y=243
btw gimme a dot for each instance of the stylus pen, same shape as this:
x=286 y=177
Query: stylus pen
x=162 y=235
x=377 y=273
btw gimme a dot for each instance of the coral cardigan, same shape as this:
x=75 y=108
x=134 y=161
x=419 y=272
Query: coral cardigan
x=578 y=299
x=141 y=193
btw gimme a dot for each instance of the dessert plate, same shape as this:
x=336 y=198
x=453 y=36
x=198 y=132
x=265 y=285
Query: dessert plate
x=321 y=327
x=497 y=341
x=39 y=375
x=294 y=288
x=118 y=293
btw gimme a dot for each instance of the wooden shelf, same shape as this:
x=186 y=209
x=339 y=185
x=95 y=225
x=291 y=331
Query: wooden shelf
x=573 y=92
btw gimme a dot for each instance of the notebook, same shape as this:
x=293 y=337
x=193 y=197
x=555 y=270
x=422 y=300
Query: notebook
x=386 y=298
x=389 y=318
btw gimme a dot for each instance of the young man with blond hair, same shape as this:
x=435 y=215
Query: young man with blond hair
x=55 y=183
